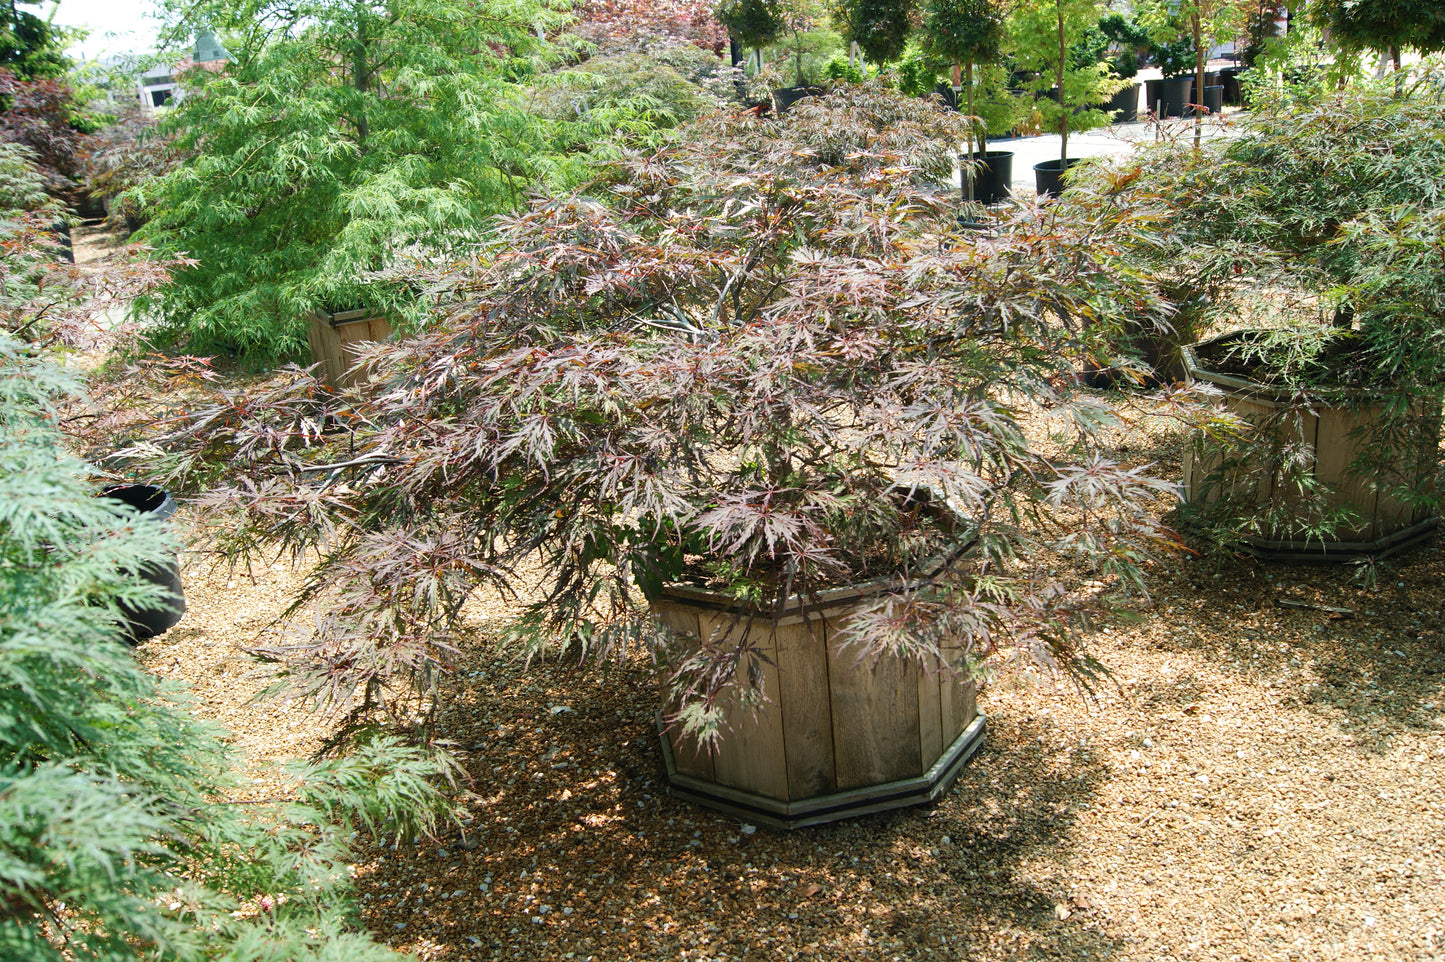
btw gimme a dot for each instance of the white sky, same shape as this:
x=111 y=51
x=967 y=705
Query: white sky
x=116 y=26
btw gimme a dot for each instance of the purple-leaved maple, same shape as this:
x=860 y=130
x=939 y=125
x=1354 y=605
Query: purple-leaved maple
x=742 y=360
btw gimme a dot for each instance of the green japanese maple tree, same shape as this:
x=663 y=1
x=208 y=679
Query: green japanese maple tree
x=1388 y=25
x=1042 y=36
x=345 y=135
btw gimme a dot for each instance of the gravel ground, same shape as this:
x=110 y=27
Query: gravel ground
x=1262 y=782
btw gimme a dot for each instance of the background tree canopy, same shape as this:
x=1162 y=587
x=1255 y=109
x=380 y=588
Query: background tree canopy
x=343 y=137
x=1384 y=24
x=30 y=46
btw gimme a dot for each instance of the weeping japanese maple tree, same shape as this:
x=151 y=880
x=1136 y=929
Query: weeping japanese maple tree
x=738 y=361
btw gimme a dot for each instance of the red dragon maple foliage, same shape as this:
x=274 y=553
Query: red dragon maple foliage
x=691 y=21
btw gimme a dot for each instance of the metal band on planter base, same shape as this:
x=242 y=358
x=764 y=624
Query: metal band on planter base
x=827 y=808
x=1332 y=552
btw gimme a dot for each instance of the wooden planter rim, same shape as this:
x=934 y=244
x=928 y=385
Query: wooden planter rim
x=1341 y=397
x=798 y=609
x=343 y=317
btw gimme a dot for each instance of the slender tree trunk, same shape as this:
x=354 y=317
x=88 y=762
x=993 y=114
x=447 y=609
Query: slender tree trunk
x=973 y=127
x=971 y=172
x=361 y=74
x=1199 y=54
x=1063 y=105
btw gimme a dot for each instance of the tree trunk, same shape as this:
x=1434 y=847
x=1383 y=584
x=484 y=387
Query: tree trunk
x=973 y=126
x=1063 y=105
x=361 y=74
x=1199 y=54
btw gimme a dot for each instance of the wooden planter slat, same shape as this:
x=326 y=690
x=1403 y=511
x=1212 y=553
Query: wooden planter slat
x=690 y=758
x=875 y=719
x=1336 y=448
x=802 y=658
x=336 y=340
x=958 y=707
x=1334 y=432
x=754 y=760
x=930 y=717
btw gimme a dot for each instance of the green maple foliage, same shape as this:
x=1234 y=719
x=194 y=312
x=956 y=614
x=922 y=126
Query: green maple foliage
x=1383 y=24
x=343 y=138
x=880 y=28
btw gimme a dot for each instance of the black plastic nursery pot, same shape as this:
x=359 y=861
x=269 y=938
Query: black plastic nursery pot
x=154 y=506
x=1214 y=99
x=1049 y=176
x=993 y=174
x=1229 y=79
x=785 y=97
x=1125 y=105
x=1172 y=92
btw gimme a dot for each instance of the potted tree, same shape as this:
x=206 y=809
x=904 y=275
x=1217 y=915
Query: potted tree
x=968 y=33
x=1353 y=27
x=1320 y=227
x=1171 y=95
x=1126 y=39
x=752 y=23
x=801 y=18
x=880 y=28
x=1208 y=22
x=1043 y=38
x=780 y=450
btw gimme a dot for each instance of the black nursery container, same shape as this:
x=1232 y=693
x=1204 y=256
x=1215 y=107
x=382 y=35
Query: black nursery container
x=1049 y=176
x=155 y=506
x=993 y=177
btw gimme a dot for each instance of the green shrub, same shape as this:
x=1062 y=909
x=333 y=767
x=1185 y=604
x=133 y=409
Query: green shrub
x=622 y=99
x=840 y=69
x=116 y=841
x=303 y=182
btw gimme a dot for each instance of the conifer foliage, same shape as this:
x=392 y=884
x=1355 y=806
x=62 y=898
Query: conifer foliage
x=116 y=837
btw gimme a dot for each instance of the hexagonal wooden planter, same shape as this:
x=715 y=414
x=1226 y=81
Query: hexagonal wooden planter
x=1333 y=433
x=837 y=738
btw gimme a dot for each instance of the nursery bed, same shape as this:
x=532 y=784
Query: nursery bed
x=1262 y=780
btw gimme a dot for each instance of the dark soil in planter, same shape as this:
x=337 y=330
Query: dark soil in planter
x=1343 y=363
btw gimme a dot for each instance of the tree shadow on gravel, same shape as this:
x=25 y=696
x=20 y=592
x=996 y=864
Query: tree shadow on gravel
x=575 y=849
x=1318 y=637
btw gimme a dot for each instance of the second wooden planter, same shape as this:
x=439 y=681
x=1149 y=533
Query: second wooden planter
x=837 y=737
x=1329 y=435
x=335 y=338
